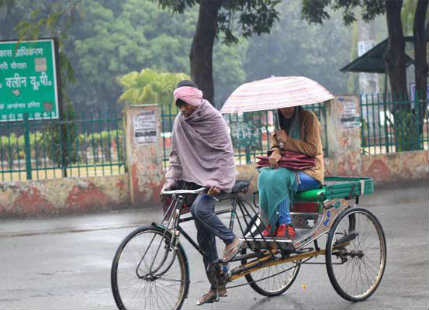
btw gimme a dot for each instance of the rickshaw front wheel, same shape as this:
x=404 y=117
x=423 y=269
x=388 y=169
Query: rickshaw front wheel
x=149 y=272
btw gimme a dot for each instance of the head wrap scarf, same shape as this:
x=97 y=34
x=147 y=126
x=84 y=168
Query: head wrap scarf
x=190 y=95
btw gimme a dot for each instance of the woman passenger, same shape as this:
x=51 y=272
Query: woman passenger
x=299 y=132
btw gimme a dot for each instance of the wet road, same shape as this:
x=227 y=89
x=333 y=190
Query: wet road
x=64 y=262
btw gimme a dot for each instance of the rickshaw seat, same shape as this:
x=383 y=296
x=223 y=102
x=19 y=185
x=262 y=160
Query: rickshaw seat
x=317 y=194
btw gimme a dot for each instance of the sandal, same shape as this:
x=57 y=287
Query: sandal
x=286 y=231
x=268 y=231
x=212 y=296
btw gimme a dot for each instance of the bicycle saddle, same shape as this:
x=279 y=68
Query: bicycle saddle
x=240 y=186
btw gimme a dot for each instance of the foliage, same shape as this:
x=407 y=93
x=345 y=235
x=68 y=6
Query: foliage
x=399 y=19
x=113 y=39
x=317 y=11
x=107 y=39
x=46 y=19
x=149 y=86
x=353 y=82
x=295 y=48
x=245 y=17
x=407 y=16
x=108 y=141
x=226 y=18
x=60 y=137
x=229 y=69
x=406 y=131
x=9 y=148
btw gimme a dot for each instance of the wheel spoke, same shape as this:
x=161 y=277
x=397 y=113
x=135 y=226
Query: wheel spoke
x=142 y=252
x=273 y=280
x=358 y=277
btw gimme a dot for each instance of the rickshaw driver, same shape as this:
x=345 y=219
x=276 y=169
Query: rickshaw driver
x=202 y=154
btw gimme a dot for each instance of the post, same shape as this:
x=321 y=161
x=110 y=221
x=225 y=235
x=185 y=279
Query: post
x=27 y=147
x=344 y=137
x=63 y=146
x=144 y=153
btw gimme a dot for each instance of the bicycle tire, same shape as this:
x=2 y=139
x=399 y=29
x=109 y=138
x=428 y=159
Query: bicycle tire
x=121 y=268
x=349 y=250
x=260 y=286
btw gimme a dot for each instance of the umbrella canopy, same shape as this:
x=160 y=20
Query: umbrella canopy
x=275 y=93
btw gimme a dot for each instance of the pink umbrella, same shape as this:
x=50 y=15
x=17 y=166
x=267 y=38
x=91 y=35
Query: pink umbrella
x=275 y=93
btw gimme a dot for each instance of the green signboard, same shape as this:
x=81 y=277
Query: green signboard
x=28 y=80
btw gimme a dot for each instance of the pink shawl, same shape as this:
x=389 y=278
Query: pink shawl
x=202 y=151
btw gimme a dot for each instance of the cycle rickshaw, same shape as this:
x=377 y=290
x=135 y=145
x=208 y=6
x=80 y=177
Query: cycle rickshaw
x=150 y=268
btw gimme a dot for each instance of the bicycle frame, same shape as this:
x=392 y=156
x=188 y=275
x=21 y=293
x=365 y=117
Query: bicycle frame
x=173 y=217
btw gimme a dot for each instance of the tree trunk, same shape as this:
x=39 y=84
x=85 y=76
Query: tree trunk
x=201 y=56
x=404 y=120
x=421 y=65
x=395 y=53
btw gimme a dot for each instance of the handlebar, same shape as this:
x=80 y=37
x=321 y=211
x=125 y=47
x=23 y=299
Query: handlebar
x=184 y=191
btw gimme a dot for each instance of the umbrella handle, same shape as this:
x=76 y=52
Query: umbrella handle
x=276 y=120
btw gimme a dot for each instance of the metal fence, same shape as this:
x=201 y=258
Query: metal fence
x=250 y=132
x=390 y=126
x=51 y=148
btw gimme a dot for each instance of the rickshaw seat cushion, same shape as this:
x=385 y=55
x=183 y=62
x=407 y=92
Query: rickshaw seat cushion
x=311 y=195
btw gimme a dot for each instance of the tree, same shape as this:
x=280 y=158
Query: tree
x=107 y=39
x=413 y=16
x=408 y=121
x=34 y=19
x=395 y=53
x=44 y=19
x=59 y=139
x=420 y=55
x=149 y=86
x=295 y=48
x=229 y=69
x=315 y=11
x=254 y=16
x=114 y=39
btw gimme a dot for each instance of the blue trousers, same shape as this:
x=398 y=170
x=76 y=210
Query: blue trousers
x=208 y=227
x=306 y=182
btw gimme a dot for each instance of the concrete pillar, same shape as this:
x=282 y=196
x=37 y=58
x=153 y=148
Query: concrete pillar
x=344 y=137
x=144 y=153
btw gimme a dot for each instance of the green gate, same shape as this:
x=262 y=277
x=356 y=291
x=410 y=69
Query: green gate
x=74 y=147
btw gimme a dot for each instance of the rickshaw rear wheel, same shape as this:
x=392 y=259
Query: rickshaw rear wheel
x=356 y=254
